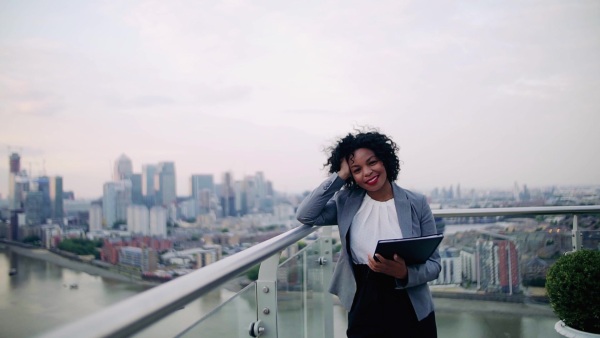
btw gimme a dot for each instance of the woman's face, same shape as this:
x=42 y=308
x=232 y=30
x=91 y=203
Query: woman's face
x=369 y=172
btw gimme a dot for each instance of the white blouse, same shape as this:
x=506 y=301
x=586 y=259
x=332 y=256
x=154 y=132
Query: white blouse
x=374 y=221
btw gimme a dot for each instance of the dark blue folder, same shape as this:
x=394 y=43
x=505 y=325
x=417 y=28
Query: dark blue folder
x=414 y=250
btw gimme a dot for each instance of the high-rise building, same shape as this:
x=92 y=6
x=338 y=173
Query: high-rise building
x=508 y=266
x=227 y=195
x=56 y=199
x=136 y=189
x=115 y=200
x=165 y=184
x=158 y=221
x=123 y=168
x=34 y=208
x=42 y=184
x=14 y=169
x=148 y=188
x=199 y=183
x=138 y=220
x=96 y=216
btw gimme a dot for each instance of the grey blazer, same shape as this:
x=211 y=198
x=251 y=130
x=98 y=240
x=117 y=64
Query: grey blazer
x=328 y=205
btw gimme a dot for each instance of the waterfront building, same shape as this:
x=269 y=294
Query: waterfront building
x=451 y=272
x=123 y=168
x=144 y=258
x=468 y=263
x=508 y=266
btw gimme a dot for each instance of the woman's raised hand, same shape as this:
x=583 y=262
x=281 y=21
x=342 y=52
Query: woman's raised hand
x=344 y=172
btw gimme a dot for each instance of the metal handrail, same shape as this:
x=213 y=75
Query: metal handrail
x=144 y=309
x=518 y=211
x=140 y=311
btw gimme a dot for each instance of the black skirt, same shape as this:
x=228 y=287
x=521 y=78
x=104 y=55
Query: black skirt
x=381 y=310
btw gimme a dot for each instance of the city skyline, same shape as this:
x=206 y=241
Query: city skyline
x=481 y=95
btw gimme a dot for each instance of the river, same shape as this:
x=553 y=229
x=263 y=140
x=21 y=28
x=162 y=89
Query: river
x=39 y=297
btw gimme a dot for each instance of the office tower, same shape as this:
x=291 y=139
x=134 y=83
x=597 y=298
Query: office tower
x=14 y=169
x=96 y=216
x=202 y=188
x=115 y=200
x=138 y=219
x=148 y=189
x=136 y=189
x=165 y=184
x=199 y=183
x=56 y=199
x=123 y=168
x=158 y=221
x=42 y=184
x=34 y=208
x=227 y=195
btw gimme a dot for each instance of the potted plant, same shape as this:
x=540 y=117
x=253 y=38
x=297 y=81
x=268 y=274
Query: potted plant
x=573 y=286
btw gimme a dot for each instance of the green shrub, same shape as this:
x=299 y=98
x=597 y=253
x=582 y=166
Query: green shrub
x=573 y=286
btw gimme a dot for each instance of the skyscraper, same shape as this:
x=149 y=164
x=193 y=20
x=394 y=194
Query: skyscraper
x=165 y=183
x=56 y=199
x=148 y=188
x=123 y=168
x=14 y=169
x=202 y=187
x=96 y=216
x=115 y=200
x=227 y=195
x=200 y=182
x=136 y=189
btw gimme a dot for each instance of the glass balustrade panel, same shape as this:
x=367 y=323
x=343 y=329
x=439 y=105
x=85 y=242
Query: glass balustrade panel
x=590 y=239
x=300 y=294
x=230 y=319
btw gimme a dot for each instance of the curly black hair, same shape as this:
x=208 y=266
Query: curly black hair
x=384 y=148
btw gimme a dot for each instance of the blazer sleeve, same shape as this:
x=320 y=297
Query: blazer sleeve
x=319 y=207
x=422 y=273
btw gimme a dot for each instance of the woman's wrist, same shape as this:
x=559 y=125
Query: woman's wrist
x=343 y=175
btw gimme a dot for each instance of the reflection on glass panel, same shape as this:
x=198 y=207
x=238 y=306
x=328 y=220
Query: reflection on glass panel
x=590 y=239
x=300 y=294
x=231 y=319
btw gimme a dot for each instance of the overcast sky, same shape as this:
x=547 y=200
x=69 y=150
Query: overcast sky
x=481 y=94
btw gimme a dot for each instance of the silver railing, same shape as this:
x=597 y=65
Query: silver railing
x=139 y=312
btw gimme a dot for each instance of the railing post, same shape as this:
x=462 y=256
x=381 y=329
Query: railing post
x=326 y=261
x=266 y=297
x=576 y=235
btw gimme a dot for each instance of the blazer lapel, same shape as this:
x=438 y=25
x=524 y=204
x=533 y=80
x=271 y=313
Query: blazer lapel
x=351 y=207
x=404 y=212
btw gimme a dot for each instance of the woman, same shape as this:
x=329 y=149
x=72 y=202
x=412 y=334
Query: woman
x=384 y=297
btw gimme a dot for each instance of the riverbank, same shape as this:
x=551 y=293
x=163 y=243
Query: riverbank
x=45 y=255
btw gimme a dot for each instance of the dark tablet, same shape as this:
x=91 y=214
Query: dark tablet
x=414 y=250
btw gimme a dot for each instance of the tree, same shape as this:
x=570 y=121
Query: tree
x=33 y=240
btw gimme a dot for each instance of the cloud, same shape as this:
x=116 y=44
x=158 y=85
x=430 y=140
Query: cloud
x=22 y=99
x=145 y=101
